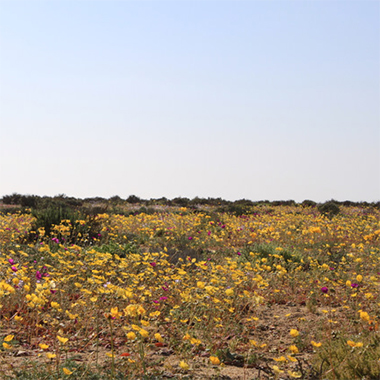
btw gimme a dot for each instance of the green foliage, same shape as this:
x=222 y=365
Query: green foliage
x=308 y=203
x=329 y=209
x=337 y=360
x=52 y=215
x=121 y=250
x=133 y=199
x=236 y=209
x=270 y=252
x=21 y=200
x=82 y=228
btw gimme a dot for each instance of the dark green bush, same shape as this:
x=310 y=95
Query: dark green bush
x=329 y=209
x=308 y=203
x=52 y=215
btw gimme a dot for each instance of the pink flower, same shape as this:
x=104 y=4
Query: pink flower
x=38 y=275
x=153 y=264
x=14 y=269
x=11 y=261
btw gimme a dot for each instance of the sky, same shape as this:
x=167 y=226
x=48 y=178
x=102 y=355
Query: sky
x=262 y=100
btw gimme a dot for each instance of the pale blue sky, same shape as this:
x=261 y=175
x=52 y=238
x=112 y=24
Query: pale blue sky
x=233 y=99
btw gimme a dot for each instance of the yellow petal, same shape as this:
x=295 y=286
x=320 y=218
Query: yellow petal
x=8 y=338
x=214 y=360
x=62 y=340
x=294 y=333
x=184 y=365
x=67 y=371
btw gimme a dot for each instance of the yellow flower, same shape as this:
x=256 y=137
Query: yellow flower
x=18 y=318
x=353 y=344
x=359 y=278
x=159 y=337
x=184 y=365
x=280 y=359
x=364 y=316
x=67 y=371
x=144 y=333
x=8 y=338
x=229 y=292
x=315 y=344
x=277 y=370
x=43 y=346
x=214 y=360
x=49 y=355
x=195 y=341
x=186 y=337
x=55 y=305
x=131 y=335
x=294 y=374
x=62 y=340
x=294 y=349
x=201 y=284
x=115 y=312
x=294 y=333
x=7 y=346
x=145 y=323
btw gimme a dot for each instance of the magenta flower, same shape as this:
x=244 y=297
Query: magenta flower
x=163 y=298
x=324 y=289
x=354 y=285
x=14 y=269
x=38 y=275
x=153 y=264
x=11 y=261
x=190 y=238
x=238 y=253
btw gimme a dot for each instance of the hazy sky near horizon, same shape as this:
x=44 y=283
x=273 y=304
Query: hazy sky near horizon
x=235 y=99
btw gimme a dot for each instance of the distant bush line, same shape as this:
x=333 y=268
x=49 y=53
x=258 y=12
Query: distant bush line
x=115 y=204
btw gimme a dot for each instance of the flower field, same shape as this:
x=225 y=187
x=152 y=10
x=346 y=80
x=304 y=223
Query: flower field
x=282 y=292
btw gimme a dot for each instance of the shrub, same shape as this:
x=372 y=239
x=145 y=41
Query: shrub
x=329 y=209
x=308 y=203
